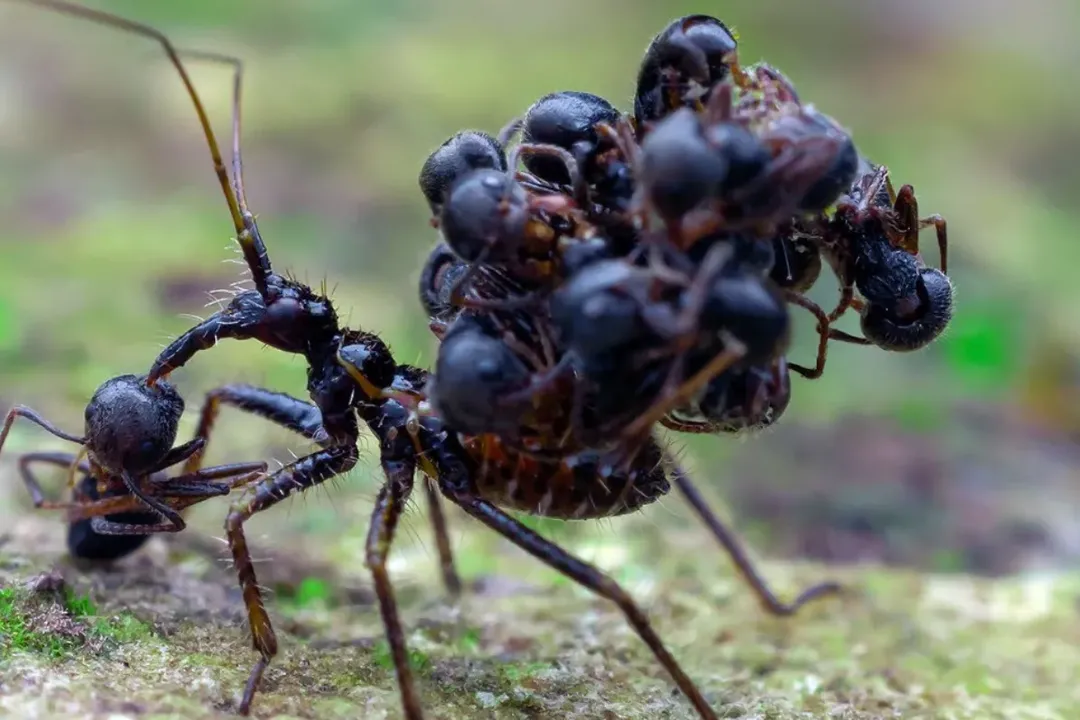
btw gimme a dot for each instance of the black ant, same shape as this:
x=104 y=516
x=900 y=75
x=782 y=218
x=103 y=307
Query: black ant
x=353 y=378
x=681 y=67
x=871 y=243
x=586 y=126
x=128 y=443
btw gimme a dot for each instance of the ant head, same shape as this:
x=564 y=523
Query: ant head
x=682 y=64
x=368 y=362
x=466 y=151
x=679 y=168
x=131 y=426
x=485 y=216
x=913 y=322
x=592 y=313
x=568 y=120
x=475 y=373
x=441 y=270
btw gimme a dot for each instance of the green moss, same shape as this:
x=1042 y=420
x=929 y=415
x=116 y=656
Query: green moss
x=18 y=635
x=418 y=660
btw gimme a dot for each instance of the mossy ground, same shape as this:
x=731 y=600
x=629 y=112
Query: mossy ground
x=161 y=635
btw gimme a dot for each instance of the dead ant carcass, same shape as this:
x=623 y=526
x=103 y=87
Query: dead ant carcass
x=121 y=494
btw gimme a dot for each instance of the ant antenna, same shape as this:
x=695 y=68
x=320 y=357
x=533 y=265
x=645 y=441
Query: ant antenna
x=246 y=233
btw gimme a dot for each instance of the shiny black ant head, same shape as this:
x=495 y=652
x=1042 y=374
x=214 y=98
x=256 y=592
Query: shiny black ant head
x=593 y=314
x=752 y=310
x=475 y=373
x=681 y=66
x=912 y=322
x=85 y=544
x=485 y=216
x=466 y=151
x=798 y=262
x=679 y=169
x=131 y=426
x=441 y=270
x=841 y=173
x=747 y=157
x=747 y=398
x=566 y=119
x=368 y=361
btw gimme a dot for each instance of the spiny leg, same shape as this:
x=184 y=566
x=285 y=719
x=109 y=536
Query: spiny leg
x=384 y=519
x=586 y=575
x=307 y=472
x=291 y=413
x=734 y=548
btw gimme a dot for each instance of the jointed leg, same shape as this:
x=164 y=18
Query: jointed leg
x=442 y=539
x=734 y=548
x=906 y=208
x=21 y=411
x=291 y=413
x=37 y=495
x=823 y=335
x=589 y=577
x=305 y=473
x=388 y=508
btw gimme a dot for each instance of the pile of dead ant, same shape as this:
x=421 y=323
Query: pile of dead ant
x=636 y=271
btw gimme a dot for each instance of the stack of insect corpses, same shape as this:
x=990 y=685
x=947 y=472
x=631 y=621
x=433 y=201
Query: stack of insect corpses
x=640 y=267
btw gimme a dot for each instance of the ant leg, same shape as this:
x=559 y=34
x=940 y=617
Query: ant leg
x=37 y=495
x=21 y=411
x=175 y=521
x=847 y=300
x=201 y=483
x=388 y=508
x=734 y=548
x=823 y=334
x=442 y=540
x=305 y=473
x=842 y=336
x=907 y=207
x=509 y=130
x=585 y=574
x=291 y=413
x=179 y=454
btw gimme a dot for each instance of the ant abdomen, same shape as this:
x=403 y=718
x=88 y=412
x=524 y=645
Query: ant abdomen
x=913 y=322
x=131 y=426
x=568 y=120
x=681 y=65
x=751 y=310
x=747 y=399
x=678 y=166
x=485 y=216
x=459 y=155
x=581 y=487
x=475 y=373
x=840 y=175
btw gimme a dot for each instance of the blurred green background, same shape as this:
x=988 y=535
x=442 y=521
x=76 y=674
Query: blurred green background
x=113 y=232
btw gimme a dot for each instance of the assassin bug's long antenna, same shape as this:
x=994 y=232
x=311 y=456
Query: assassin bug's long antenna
x=247 y=235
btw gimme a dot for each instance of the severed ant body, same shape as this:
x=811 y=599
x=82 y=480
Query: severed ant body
x=121 y=494
x=569 y=327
